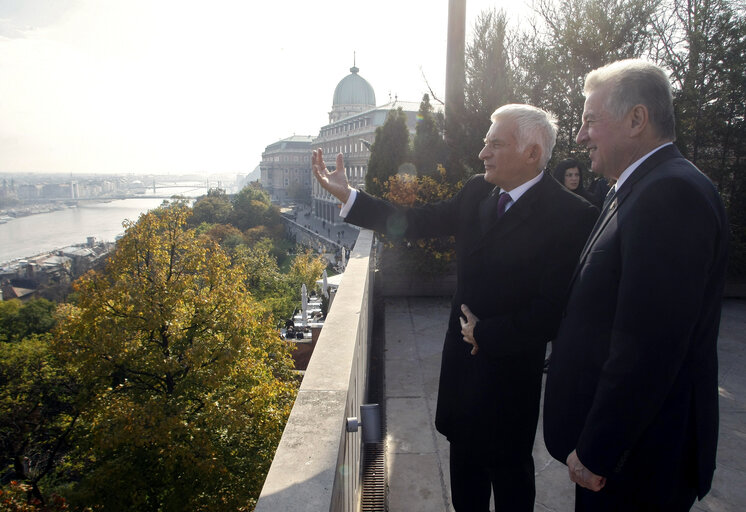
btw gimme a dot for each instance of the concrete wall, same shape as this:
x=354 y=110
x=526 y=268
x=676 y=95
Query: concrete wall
x=317 y=464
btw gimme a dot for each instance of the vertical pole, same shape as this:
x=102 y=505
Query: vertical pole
x=455 y=60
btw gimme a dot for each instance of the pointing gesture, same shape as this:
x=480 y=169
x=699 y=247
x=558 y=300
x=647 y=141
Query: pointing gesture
x=335 y=182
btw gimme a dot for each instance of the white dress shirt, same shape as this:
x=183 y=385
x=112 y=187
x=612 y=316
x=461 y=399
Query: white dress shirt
x=629 y=170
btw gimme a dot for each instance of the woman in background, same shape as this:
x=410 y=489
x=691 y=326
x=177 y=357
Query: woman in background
x=569 y=172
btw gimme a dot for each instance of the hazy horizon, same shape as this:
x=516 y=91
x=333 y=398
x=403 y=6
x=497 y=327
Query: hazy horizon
x=131 y=86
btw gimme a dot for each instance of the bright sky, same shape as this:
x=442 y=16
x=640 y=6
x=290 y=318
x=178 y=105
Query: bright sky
x=182 y=86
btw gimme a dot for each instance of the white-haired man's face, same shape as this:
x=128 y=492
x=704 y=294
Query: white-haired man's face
x=604 y=136
x=505 y=164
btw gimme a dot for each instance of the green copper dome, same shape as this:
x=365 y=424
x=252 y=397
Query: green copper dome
x=354 y=90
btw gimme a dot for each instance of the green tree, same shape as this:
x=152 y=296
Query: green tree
x=252 y=207
x=263 y=278
x=489 y=84
x=226 y=235
x=40 y=402
x=429 y=147
x=214 y=208
x=703 y=43
x=305 y=269
x=192 y=384
x=19 y=320
x=390 y=150
x=571 y=38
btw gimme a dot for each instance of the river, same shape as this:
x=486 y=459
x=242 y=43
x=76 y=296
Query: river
x=35 y=234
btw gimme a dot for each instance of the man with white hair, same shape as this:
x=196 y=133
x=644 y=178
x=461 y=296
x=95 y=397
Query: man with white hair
x=518 y=236
x=631 y=401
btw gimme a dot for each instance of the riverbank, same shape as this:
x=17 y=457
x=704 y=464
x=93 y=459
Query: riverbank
x=44 y=232
x=50 y=274
x=9 y=214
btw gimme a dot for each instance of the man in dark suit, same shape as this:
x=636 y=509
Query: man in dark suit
x=515 y=257
x=631 y=401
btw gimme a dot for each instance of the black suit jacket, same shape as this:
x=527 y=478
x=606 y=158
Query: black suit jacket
x=514 y=278
x=633 y=379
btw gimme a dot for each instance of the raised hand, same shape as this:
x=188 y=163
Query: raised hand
x=335 y=182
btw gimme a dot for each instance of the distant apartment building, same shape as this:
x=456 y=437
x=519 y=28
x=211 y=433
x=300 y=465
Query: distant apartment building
x=28 y=191
x=286 y=168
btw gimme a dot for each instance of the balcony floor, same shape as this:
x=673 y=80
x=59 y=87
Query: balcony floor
x=417 y=455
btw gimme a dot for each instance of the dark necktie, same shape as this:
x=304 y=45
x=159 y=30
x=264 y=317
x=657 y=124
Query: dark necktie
x=609 y=195
x=492 y=208
x=502 y=203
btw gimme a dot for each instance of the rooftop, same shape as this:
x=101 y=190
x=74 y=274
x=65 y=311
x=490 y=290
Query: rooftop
x=417 y=455
x=320 y=466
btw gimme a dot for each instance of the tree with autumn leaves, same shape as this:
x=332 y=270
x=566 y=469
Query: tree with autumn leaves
x=188 y=383
x=163 y=386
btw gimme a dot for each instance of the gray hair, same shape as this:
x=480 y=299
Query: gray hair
x=637 y=82
x=533 y=126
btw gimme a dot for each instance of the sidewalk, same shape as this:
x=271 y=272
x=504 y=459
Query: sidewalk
x=345 y=234
x=417 y=456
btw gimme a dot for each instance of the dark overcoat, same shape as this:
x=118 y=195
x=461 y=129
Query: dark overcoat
x=513 y=275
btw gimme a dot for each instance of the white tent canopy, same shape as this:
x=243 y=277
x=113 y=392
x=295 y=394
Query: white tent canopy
x=332 y=281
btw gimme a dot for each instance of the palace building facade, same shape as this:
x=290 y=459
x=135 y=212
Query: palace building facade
x=351 y=131
x=285 y=167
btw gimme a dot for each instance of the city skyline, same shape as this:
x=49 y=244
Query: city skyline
x=174 y=87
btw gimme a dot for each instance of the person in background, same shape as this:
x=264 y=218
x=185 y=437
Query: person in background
x=569 y=172
x=631 y=399
x=518 y=236
x=599 y=188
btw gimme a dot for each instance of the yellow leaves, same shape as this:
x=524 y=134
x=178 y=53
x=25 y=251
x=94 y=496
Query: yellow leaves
x=429 y=256
x=189 y=377
x=402 y=189
x=408 y=189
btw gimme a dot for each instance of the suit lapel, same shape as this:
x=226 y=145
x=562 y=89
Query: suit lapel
x=628 y=186
x=473 y=234
x=512 y=219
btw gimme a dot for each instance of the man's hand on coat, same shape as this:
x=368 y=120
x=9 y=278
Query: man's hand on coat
x=335 y=182
x=582 y=475
x=468 y=323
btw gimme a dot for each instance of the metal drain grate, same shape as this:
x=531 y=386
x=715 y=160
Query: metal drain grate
x=373 y=498
x=373 y=494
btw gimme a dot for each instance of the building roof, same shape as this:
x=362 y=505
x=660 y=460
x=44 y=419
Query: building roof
x=378 y=113
x=74 y=251
x=354 y=90
x=19 y=292
x=296 y=141
x=298 y=138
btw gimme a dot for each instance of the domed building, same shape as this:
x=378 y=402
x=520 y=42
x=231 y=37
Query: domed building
x=351 y=131
x=352 y=95
x=353 y=119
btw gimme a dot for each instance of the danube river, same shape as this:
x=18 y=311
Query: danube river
x=43 y=232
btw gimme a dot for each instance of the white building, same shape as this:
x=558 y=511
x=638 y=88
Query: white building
x=351 y=130
x=284 y=163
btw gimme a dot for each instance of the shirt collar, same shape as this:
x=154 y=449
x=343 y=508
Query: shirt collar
x=517 y=192
x=629 y=170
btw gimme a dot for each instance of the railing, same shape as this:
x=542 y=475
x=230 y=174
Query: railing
x=317 y=465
